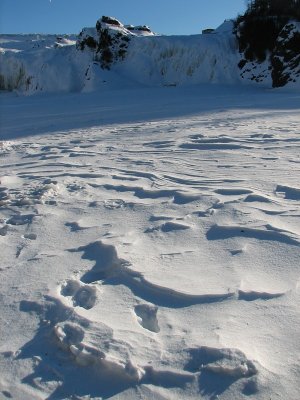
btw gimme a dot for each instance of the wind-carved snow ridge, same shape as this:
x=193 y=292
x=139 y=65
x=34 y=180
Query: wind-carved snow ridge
x=271 y=234
x=111 y=270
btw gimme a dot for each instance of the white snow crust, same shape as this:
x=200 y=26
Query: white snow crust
x=150 y=243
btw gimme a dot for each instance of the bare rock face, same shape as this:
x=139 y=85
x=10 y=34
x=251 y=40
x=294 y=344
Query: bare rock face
x=268 y=36
x=281 y=64
x=285 y=59
x=109 y=40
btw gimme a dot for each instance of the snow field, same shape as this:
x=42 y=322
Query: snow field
x=155 y=258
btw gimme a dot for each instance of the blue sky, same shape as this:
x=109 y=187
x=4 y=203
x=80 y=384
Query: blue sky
x=69 y=16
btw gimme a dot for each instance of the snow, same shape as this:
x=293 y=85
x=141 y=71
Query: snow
x=149 y=222
x=150 y=242
x=181 y=60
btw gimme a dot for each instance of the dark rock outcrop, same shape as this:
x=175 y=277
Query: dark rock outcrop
x=109 y=40
x=281 y=64
x=285 y=59
x=269 y=41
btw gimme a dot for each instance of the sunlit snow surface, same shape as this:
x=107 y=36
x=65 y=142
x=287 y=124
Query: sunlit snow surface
x=150 y=244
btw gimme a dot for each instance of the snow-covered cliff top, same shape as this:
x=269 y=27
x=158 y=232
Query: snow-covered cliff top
x=53 y=63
